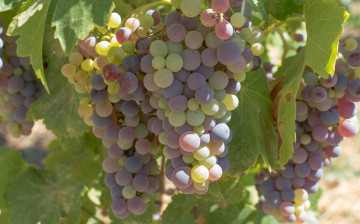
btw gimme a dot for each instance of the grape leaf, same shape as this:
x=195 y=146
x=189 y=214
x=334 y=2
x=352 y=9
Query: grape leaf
x=281 y=9
x=324 y=27
x=252 y=126
x=70 y=27
x=30 y=26
x=59 y=109
x=86 y=143
x=284 y=104
x=225 y=202
x=261 y=7
x=43 y=196
x=10 y=165
x=6 y=5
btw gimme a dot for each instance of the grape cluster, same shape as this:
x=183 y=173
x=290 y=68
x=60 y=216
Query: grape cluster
x=325 y=115
x=18 y=86
x=165 y=83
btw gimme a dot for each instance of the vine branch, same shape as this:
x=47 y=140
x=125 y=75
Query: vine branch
x=275 y=25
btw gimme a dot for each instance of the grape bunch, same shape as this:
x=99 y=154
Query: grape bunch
x=325 y=115
x=166 y=83
x=18 y=86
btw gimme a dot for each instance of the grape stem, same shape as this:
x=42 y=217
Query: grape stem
x=145 y=8
x=291 y=19
x=162 y=186
x=285 y=45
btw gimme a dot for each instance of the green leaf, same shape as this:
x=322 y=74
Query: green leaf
x=43 y=196
x=87 y=142
x=6 y=5
x=261 y=7
x=59 y=109
x=11 y=164
x=85 y=168
x=324 y=27
x=225 y=202
x=70 y=27
x=252 y=125
x=30 y=26
x=281 y=9
x=284 y=104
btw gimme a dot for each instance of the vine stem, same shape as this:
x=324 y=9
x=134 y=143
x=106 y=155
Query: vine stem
x=144 y=8
x=291 y=19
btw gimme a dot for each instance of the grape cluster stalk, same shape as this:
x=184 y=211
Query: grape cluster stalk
x=164 y=84
x=19 y=88
x=325 y=115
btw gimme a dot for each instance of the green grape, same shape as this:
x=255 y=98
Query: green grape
x=87 y=65
x=81 y=76
x=249 y=67
x=256 y=36
x=257 y=49
x=240 y=77
x=201 y=186
x=158 y=62
x=114 y=98
x=301 y=196
x=124 y=146
x=305 y=139
x=128 y=192
x=237 y=20
x=211 y=108
x=310 y=78
x=357 y=72
x=68 y=70
x=201 y=153
x=158 y=48
x=191 y=8
x=115 y=20
x=175 y=48
x=177 y=119
x=128 y=47
x=102 y=48
x=212 y=41
x=209 y=162
x=122 y=160
x=146 y=21
x=141 y=131
x=245 y=33
x=153 y=148
x=188 y=159
x=176 y=3
x=219 y=94
x=89 y=122
x=145 y=197
x=18 y=71
x=162 y=103
x=80 y=88
x=219 y=80
x=222 y=111
x=195 y=118
x=239 y=42
x=116 y=55
x=13 y=129
x=231 y=101
x=142 y=32
x=162 y=137
x=199 y=173
x=75 y=58
x=174 y=62
x=163 y=78
x=199 y=130
x=192 y=104
x=350 y=44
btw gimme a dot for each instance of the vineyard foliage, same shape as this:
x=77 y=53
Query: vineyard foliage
x=70 y=187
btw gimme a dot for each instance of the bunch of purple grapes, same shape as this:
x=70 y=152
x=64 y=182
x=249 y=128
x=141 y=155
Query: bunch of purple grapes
x=325 y=115
x=18 y=86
